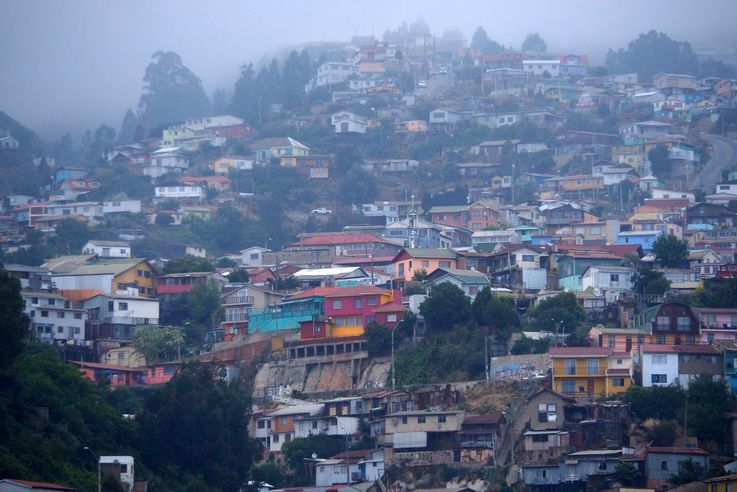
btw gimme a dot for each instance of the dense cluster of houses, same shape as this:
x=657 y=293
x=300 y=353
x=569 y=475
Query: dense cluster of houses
x=583 y=232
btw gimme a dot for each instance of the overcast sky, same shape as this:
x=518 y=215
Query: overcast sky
x=74 y=64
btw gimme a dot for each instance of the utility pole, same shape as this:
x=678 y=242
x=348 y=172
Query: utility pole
x=394 y=380
x=99 y=482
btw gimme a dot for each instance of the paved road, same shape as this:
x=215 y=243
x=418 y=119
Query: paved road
x=724 y=156
x=437 y=85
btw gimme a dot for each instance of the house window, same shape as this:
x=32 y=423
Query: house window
x=44 y=314
x=658 y=359
x=660 y=339
x=618 y=382
x=611 y=341
x=275 y=438
x=146 y=274
x=441 y=419
x=358 y=303
x=568 y=386
x=421 y=419
x=337 y=304
x=547 y=412
x=77 y=330
x=51 y=302
x=371 y=301
x=391 y=318
x=60 y=315
x=684 y=323
x=528 y=258
x=663 y=323
x=614 y=277
x=404 y=420
x=570 y=367
x=123 y=306
x=541 y=473
x=444 y=264
x=139 y=273
x=77 y=315
x=425 y=263
x=261 y=424
x=659 y=379
x=592 y=366
x=539 y=438
x=663 y=465
x=60 y=329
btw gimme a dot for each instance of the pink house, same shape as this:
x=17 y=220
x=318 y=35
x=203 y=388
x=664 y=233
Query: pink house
x=717 y=323
x=114 y=375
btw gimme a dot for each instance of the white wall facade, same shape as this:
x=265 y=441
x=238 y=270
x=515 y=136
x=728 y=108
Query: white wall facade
x=661 y=366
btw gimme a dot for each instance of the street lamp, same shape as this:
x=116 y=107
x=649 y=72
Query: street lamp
x=99 y=483
x=347 y=463
x=393 y=377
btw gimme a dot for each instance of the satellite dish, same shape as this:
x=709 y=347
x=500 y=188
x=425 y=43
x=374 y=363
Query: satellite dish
x=314 y=456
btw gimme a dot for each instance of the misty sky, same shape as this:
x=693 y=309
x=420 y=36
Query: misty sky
x=71 y=65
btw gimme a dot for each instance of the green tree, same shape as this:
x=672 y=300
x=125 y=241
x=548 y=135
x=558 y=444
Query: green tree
x=164 y=219
x=481 y=41
x=203 y=302
x=670 y=251
x=445 y=307
x=419 y=275
x=718 y=293
x=558 y=313
x=239 y=275
x=187 y=264
x=358 y=186
x=651 y=53
x=708 y=403
x=663 y=402
x=534 y=42
x=627 y=473
x=663 y=433
x=198 y=425
x=660 y=164
x=171 y=92
x=378 y=339
x=689 y=471
x=527 y=345
x=71 y=235
x=645 y=280
x=157 y=343
x=13 y=323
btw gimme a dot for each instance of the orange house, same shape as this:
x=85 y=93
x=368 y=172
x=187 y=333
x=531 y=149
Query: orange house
x=412 y=260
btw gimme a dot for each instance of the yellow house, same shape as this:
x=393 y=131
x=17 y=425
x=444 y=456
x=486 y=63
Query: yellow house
x=172 y=135
x=107 y=277
x=229 y=163
x=590 y=372
x=727 y=483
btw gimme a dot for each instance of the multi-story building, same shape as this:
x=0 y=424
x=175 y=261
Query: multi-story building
x=54 y=318
x=132 y=276
x=590 y=372
x=664 y=365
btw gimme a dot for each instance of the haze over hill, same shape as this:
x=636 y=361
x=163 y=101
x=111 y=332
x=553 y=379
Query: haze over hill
x=82 y=62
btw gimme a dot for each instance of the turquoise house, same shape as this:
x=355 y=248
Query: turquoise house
x=285 y=316
x=571 y=266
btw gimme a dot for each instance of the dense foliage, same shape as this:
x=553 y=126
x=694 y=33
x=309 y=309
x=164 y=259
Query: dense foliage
x=559 y=313
x=670 y=251
x=445 y=307
x=645 y=280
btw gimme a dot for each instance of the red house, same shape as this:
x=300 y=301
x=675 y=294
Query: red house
x=348 y=310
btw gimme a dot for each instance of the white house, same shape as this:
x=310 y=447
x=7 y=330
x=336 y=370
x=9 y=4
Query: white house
x=607 y=277
x=179 y=192
x=278 y=425
x=728 y=187
x=166 y=160
x=492 y=237
x=659 y=365
x=662 y=193
x=253 y=256
x=531 y=147
x=199 y=124
x=334 y=73
x=357 y=466
x=647 y=129
x=53 y=317
x=469 y=281
x=125 y=466
x=9 y=143
x=89 y=210
x=329 y=425
x=347 y=122
x=121 y=206
x=442 y=116
x=123 y=309
x=541 y=68
x=107 y=249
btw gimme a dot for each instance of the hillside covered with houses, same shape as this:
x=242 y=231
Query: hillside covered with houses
x=405 y=263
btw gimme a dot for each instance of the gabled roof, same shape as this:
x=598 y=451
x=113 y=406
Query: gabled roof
x=269 y=143
x=337 y=238
x=108 y=267
x=335 y=292
x=428 y=253
x=37 y=485
x=465 y=276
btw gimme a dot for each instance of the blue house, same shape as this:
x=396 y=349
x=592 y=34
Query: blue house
x=70 y=173
x=285 y=316
x=729 y=351
x=643 y=238
x=572 y=265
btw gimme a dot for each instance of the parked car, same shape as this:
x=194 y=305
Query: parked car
x=322 y=211
x=421 y=84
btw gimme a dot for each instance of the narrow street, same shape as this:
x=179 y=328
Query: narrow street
x=725 y=156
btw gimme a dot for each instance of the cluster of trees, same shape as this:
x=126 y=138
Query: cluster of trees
x=708 y=401
x=255 y=92
x=655 y=52
x=188 y=435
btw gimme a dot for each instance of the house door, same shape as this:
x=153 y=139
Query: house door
x=628 y=345
x=590 y=387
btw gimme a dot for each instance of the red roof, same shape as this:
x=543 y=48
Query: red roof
x=654 y=348
x=205 y=179
x=674 y=450
x=97 y=365
x=38 y=485
x=578 y=351
x=359 y=290
x=337 y=238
